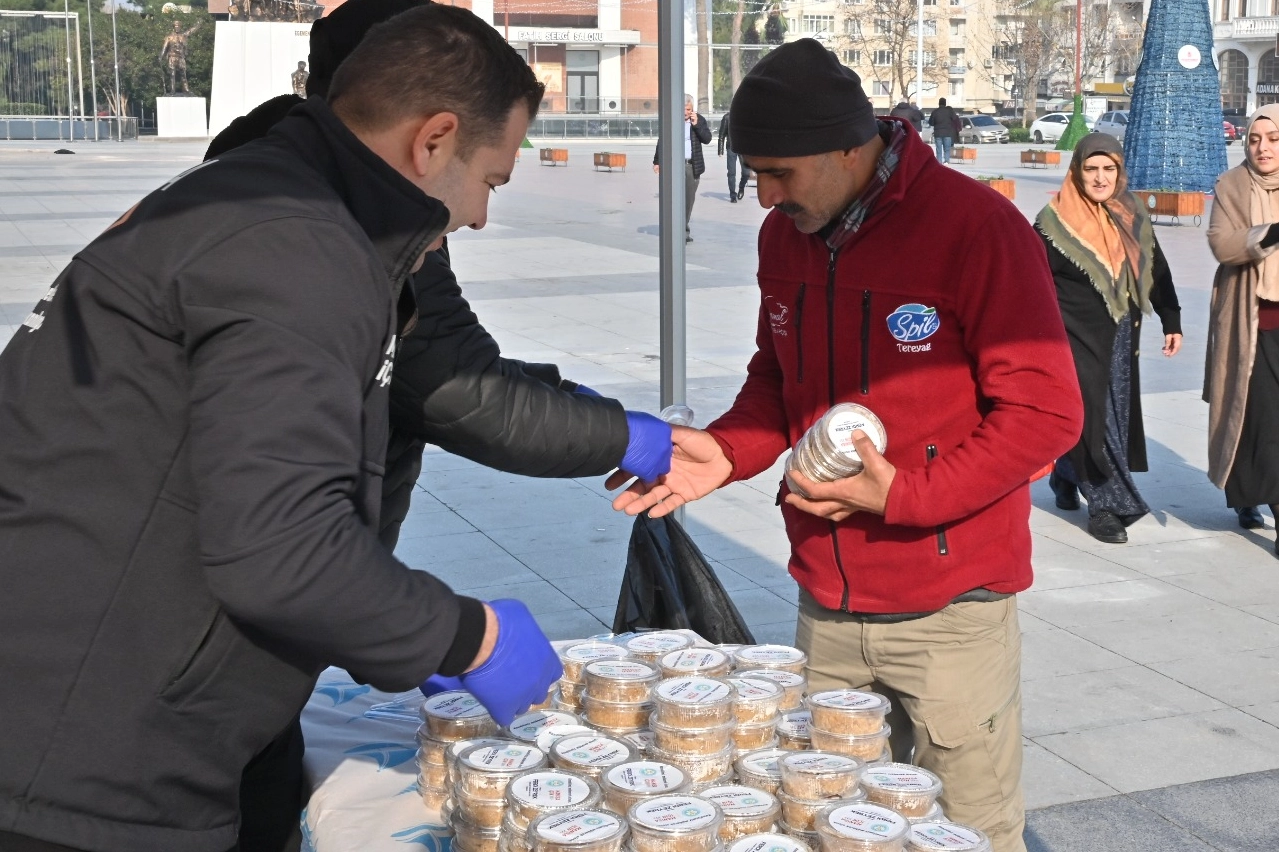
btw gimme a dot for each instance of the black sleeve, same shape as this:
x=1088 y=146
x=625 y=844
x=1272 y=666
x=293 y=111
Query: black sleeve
x=452 y=387
x=702 y=129
x=657 y=151
x=723 y=134
x=1163 y=296
x=253 y=125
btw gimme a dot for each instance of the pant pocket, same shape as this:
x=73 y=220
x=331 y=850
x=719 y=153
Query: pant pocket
x=978 y=759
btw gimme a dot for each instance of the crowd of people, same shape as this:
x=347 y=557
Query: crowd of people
x=214 y=433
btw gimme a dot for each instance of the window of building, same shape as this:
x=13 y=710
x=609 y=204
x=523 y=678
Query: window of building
x=883 y=57
x=956 y=88
x=930 y=57
x=930 y=28
x=882 y=89
x=883 y=26
x=813 y=24
x=957 y=57
x=957 y=27
x=852 y=27
x=852 y=57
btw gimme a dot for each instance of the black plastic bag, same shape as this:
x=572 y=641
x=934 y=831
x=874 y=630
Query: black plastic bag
x=669 y=585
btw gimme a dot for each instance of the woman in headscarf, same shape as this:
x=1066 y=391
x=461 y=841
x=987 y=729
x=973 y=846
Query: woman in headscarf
x=1110 y=272
x=1241 y=379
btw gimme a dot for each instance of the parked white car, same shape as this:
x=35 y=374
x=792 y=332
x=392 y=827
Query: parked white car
x=1115 y=123
x=1050 y=127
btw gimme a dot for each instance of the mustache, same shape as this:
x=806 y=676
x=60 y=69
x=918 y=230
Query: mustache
x=790 y=208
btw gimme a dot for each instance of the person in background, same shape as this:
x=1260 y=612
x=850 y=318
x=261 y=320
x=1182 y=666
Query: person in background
x=908 y=571
x=945 y=124
x=911 y=113
x=697 y=132
x=735 y=190
x=1109 y=271
x=1241 y=380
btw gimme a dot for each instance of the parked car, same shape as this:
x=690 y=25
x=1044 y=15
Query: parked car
x=1238 y=118
x=1231 y=132
x=1113 y=123
x=1049 y=128
x=981 y=128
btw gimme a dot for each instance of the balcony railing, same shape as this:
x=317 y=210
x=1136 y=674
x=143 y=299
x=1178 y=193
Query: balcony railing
x=1247 y=28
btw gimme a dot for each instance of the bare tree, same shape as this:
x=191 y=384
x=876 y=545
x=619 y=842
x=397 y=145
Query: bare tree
x=885 y=31
x=1022 y=45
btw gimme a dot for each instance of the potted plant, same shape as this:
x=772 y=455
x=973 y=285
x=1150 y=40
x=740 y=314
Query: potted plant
x=964 y=152
x=1172 y=203
x=554 y=156
x=609 y=160
x=1040 y=157
x=1001 y=184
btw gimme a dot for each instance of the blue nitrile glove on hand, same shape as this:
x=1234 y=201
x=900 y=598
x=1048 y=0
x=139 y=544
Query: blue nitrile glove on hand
x=585 y=391
x=440 y=683
x=521 y=669
x=648 y=451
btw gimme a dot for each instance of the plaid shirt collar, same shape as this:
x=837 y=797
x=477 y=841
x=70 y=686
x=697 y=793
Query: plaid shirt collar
x=856 y=214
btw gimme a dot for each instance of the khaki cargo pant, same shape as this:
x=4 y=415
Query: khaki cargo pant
x=954 y=679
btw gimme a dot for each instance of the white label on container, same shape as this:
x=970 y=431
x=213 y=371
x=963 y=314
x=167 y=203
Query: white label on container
x=693 y=690
x=795 y=725
x=768 y=843
x=755 y=689
x=528 y=726
x=589 y=652
x=788 y=680
x=740 y=801
x=771 y=655
x=503 y=758
x=695 y=659
x=592 y=751
x=679 y=813
x=899 y=778
x=764 y=763
x=867 y=822
x=548 y=737
x=550 y=788
x=625 y=670
x=946 y=835
x=809 y=761
x=848 y=699
x=658 y=643
x=579 y=827
x=454 y=705
x=646 y=776
x=642 y=740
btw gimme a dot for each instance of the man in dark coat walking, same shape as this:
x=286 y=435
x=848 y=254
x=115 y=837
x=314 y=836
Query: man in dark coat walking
x=945 y=124
x=697 y=132
x=725 y=146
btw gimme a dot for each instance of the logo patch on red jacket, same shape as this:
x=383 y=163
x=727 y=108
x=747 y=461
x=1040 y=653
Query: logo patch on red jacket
x=778 y=316
x=912 y=323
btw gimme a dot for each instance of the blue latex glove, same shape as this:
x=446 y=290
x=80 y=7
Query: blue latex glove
x=440 y=683
x=521 y=669
x=583 y=389
x=648 y=451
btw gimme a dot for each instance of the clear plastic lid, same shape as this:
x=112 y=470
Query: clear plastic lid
x=506 y=759
x=694 y=660
x=703 y=691
x=819 y=774
x=934 y=814
x=577 y=829
x=768 y=843
x=843 y=419
x=700 y=767
x=547 y=790
x=675 y=815
x=591 y=751
x=628 y=671
x=455 y=704
x=647 y=777
x=642 y=740
x=952 y=836
x=657 y=644
x=753 y=690
x=547 y=737
x=849 y=700
x=863 y=822
x=795 y=724
x=902 y=778
x=590 y=651
x=526 y=728
x=764 y=762
x=736 y=800
x=771 y=657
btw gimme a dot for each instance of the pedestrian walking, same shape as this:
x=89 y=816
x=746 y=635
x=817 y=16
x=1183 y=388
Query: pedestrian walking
x=945 y=124
x=697 y=132
x=910 y=113
x=725 y=146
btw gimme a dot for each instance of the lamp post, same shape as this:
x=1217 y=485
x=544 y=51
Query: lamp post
x=93 y=72
x=919 y=57
x=115 y=52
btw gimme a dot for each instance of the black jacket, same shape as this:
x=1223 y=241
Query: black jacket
x=1092 y=339
x=189 y=489
x=911 y=114
x=701 y=136
x=944 y=122
x=724 y=140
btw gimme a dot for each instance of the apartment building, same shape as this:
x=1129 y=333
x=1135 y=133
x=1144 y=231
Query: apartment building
x=1244 y=36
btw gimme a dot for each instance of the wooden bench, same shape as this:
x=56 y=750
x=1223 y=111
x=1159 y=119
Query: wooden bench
x=610 y=161
x=554 y=156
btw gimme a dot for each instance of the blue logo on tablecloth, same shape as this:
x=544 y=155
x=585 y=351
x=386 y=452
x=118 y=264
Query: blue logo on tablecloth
x=424 y=835
x=412 y=788
x=913 y=323
x=386 y=754
x=340 y=694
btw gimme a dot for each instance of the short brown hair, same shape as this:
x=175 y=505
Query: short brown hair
x=430 y=60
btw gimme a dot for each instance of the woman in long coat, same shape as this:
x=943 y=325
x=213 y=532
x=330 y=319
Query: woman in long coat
x=1241 y=380
x=1109 y=272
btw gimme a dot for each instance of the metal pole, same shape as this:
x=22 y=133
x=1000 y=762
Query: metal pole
x=93 y=72
x=66 y=27
x=115 y=51
x=1079 y=48
x=919 y=58
x=79 y=64
x=671 y=185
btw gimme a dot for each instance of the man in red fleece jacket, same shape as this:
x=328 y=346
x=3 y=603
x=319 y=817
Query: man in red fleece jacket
x=908 y=570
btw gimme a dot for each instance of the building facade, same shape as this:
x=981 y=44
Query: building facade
x=1244 y=41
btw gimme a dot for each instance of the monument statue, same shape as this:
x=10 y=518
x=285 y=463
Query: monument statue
x=174 y=54
x=299 y=80
x=277 y=11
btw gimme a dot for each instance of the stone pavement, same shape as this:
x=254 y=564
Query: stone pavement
x=1151 y=669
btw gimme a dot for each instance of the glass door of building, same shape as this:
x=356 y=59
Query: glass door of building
x=583 y=70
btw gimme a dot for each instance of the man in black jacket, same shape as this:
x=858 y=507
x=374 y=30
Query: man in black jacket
x=725 y=146
x=195 y=421
x=697 y=132
x=945 y=124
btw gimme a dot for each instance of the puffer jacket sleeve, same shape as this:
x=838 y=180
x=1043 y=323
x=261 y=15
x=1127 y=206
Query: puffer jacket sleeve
x=451 y=387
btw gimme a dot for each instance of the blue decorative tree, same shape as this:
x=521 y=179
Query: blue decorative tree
x=1174 y=137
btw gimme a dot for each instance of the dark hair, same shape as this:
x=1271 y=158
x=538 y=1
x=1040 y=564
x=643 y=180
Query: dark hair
x=941 y=102
x=430 y=60
x=334 y=36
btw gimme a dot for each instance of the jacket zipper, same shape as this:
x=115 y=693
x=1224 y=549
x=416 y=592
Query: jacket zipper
x=865 y=341
x=799 y=329
x=830 y=372
x=942 y=548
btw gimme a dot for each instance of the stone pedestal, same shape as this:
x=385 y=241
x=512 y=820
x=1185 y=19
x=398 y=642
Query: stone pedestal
x=181 y=117
x=253 y=61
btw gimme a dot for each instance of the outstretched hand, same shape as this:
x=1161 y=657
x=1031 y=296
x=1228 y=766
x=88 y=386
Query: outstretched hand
x=698 y=467
x=835 y=501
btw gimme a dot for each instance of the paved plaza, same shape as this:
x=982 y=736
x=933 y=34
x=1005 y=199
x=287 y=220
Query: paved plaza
x=1151 y=669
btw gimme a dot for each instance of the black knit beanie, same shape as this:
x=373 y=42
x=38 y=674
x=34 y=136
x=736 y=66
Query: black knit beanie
x=798 y=101
x=334 y=37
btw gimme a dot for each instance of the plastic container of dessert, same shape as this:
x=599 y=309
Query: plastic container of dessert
x=675 y=824
x=862 y=827
x=928 y=836
x=591 y=754
x=866 y=747
x=701 y=768
x=760 y=769
x=935 y=814
x=755 y=700
x=819 y=774
x=628 y=784
x=801 y=814
x=624 y=681
x=651 y=647
x=483 y=771
x=621 y=715
x=747 y=738
x=545 y=791
x=575 y=657
x=429 y=749
x=642 y=740
x=694 y=701
x=711 y=662
x=578 y=831
x=776 y=657
x=432 y=775
x=434 y=798
x=770 y=842
x=482 y=813
x=547 y=737
x=907 y=789
x=793 y=685
x=526 y=728
x=456 y=715
x=793 y=730
x=688 y=740
x=569 y=693
x=455 y=750
x=747 y=810
x=847 y=711
x=469 y=837
x=826 y=451
x=811 y=838
x=886 y=756
x=514 y=835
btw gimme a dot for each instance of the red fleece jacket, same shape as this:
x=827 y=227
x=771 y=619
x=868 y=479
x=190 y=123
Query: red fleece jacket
x=976 y=366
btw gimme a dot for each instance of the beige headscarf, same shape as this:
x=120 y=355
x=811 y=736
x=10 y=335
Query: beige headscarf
x=1264 y=206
